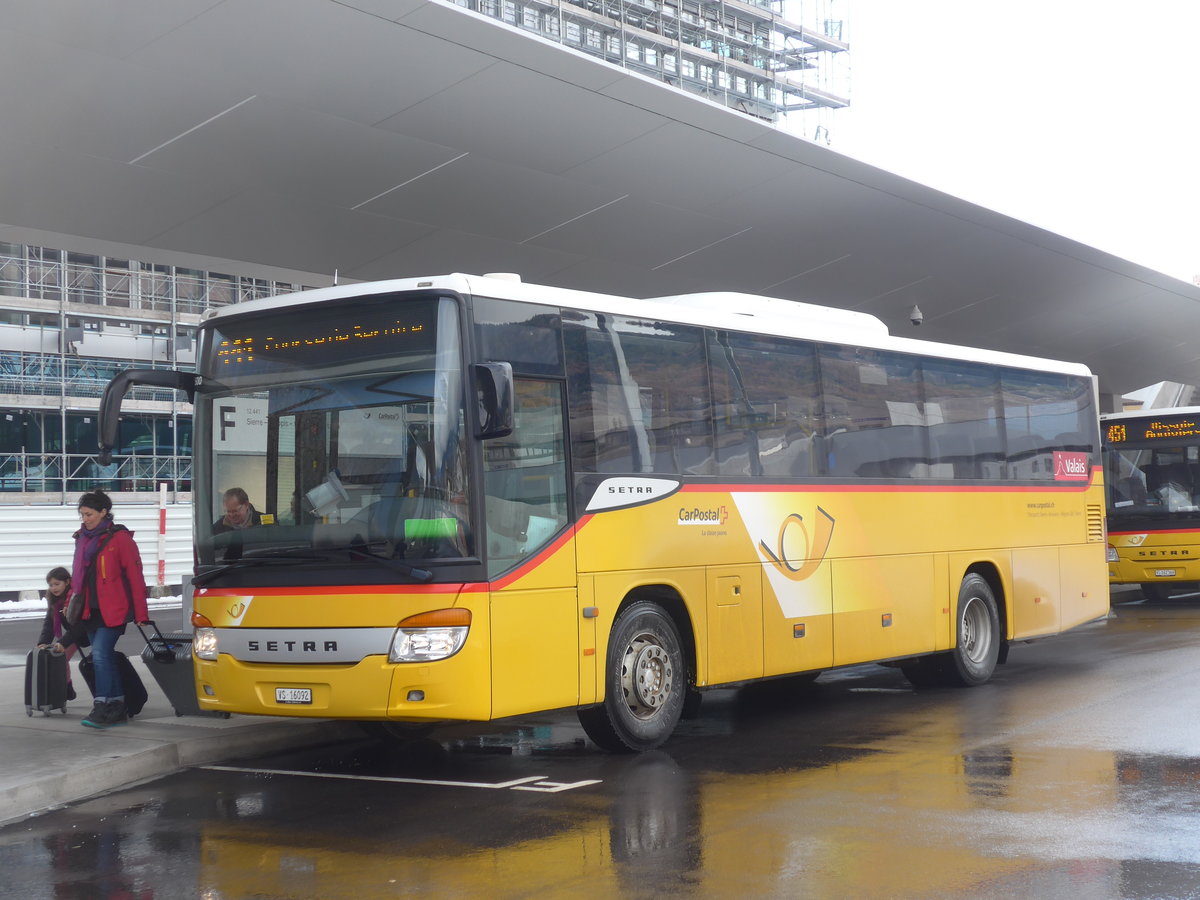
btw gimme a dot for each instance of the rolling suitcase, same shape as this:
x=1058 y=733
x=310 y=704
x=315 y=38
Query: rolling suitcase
x=169 y=659
x=135 y=691
x=45 y=681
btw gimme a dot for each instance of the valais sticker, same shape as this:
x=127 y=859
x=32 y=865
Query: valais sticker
x=1070 y=466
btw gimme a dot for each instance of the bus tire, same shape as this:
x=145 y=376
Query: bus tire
x=977 y=648
x=645 y=681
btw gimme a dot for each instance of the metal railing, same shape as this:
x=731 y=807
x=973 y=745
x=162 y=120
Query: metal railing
x=59 y=473
x=47 y=274
x=51 y=375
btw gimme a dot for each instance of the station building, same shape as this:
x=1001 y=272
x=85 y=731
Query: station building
x=74 y=312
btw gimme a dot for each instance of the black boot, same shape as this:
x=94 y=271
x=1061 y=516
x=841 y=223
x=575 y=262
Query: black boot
x=96 y=718
x=116 y=713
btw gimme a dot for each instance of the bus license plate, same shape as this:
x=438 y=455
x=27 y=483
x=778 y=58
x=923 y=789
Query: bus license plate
x=293 y=695
x=1164 y=573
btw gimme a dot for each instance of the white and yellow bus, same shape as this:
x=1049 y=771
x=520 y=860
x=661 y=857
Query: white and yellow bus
x=1152 y=472
x=481 y=498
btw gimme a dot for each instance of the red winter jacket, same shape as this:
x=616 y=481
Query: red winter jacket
x=119 y=564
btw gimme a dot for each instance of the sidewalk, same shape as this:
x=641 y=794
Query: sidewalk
x=53 y=760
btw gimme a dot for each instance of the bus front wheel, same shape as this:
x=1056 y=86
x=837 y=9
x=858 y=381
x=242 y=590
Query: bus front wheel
x=645 y=681
x=977 y=649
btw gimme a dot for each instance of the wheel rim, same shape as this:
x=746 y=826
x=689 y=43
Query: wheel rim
x=647 y=676
x=975 y=635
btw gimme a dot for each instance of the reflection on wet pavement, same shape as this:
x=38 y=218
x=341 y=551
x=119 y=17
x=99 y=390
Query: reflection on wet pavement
x=1071 y=775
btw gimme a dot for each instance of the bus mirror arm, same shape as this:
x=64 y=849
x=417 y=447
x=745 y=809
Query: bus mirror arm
x=494 y=391
x=114 y=393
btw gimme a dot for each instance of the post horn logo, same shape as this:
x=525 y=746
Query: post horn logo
x=797 y=567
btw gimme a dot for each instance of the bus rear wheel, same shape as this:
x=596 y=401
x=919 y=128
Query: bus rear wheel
x=977 y=649
x=645 y=681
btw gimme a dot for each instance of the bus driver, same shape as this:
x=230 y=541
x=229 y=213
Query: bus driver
x=239 y=513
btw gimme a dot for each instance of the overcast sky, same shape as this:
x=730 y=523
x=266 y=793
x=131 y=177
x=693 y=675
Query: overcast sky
x=1079 y=116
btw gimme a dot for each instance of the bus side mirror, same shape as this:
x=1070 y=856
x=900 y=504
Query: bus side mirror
x=114 y=393
x=494 y=391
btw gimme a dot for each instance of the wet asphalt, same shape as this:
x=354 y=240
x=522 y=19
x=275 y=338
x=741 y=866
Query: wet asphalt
x=1074 y=773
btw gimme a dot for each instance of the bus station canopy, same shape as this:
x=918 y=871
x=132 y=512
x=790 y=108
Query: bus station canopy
x=391 y=138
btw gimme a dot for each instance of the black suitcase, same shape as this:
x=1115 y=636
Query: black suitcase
x=45 y=681
x=135 y=691
x=169 y=659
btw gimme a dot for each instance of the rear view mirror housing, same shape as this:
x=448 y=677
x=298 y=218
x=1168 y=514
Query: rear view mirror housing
x=114 y=393
x=494 y=394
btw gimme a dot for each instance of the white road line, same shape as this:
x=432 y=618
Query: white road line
x=531 y=783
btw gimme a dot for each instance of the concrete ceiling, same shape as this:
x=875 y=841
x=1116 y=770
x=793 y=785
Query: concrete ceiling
x=389 y=138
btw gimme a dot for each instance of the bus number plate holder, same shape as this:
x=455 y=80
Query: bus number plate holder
x=293 y=695
x=1164 y=573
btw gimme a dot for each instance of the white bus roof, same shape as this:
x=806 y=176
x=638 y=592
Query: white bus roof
x=1153 y=413
x=749 y=313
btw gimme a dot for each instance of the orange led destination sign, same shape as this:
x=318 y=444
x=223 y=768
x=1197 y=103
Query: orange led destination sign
x=318 y=336
x=1153 y=430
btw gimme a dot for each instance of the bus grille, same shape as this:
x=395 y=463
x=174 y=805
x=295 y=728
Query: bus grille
x=1095 y=522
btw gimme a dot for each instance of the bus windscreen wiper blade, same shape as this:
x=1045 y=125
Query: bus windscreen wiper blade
x=362 y=550
x=249 y=561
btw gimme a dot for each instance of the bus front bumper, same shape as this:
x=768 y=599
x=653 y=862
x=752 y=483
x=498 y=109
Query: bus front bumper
x=370 y=690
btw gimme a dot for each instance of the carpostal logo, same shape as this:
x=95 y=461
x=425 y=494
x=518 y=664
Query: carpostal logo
x=698 y=516
x=1070 y=466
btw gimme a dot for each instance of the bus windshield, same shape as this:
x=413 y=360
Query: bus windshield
x=1152 y=468
x=334 y=433
x=1157 y=481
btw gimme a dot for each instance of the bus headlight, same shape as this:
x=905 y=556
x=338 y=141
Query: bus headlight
x=430 y=635
x=204 y=642
x=1112 y=555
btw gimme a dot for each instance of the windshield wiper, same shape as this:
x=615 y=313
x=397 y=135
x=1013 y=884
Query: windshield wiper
x=362 y=550
x=249 y=561
x=290 y=555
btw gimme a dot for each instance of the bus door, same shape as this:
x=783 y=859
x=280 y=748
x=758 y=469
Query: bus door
x=535 y=620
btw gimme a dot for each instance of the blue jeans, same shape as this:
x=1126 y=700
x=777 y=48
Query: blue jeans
x=108 y=677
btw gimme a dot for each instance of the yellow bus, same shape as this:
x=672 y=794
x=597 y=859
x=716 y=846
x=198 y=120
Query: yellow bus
x=475 y=498
x=1152 y=468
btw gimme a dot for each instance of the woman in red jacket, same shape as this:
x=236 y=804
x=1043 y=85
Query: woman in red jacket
x=108 y=572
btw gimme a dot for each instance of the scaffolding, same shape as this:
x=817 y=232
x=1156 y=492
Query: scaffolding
x=746 y=55
x=69 y=322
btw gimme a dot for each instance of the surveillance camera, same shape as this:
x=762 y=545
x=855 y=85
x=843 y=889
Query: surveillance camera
x=915 y=316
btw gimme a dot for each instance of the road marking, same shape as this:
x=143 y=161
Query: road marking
x=531 y=783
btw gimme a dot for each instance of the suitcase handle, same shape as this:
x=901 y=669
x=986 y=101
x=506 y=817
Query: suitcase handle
x=163 y=652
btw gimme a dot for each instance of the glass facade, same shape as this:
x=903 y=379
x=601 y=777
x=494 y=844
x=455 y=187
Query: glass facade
x=69 y=322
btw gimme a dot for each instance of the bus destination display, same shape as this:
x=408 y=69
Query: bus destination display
x=311 y=339
x=1151 y=430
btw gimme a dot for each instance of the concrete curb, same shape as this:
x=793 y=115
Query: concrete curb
x=52 y=760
